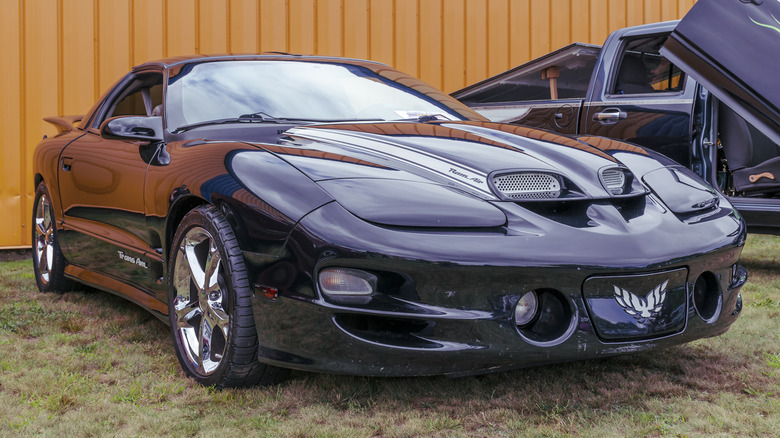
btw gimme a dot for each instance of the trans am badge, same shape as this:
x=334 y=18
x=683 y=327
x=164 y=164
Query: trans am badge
x=643 y=309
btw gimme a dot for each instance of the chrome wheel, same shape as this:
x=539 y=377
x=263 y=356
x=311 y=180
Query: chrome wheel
x=43 y=244
x=202 y=321
x=210 y=305
x=48 y=261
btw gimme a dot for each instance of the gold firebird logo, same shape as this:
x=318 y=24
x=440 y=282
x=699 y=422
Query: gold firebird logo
x=643 y=309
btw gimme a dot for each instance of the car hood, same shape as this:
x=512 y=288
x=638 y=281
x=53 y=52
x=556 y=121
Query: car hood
x=732 y=48
x=461 y=155
x=454 y=174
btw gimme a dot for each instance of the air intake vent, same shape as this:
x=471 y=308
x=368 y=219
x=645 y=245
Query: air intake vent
x=614 y=180
x=528 y=185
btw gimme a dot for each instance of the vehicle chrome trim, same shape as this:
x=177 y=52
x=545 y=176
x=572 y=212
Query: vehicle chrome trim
x=202 y=318
x=44 y=238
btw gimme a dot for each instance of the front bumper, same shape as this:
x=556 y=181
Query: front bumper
x=466 y=326
x=451 y=307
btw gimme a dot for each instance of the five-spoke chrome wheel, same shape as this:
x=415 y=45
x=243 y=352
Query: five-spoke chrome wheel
x=200 y=301
x=210 y=305
x=43 y=238
x=48 y=261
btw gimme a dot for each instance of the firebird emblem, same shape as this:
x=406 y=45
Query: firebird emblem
x=643 y=309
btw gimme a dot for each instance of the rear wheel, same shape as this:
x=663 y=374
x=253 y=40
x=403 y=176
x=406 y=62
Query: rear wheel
x=210 y=305
x=48 y=261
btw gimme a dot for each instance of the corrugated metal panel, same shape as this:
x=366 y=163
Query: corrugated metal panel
x=61 y=55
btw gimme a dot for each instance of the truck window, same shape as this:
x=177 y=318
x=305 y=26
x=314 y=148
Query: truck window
x=642 y=70
x=563 y=74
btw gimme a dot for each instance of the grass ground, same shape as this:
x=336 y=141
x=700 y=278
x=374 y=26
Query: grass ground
x=91 y=364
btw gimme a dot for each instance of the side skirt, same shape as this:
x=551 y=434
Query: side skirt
x=135 y=294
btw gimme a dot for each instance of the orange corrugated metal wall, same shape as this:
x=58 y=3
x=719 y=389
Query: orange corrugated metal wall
x=59 y=56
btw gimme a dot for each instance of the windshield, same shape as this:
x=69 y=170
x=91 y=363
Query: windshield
x=298 y=90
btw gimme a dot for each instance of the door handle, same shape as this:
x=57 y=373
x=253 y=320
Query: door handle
x=609 y=116
x=67 y=164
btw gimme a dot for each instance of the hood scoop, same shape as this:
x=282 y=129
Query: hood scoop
x=527 y=185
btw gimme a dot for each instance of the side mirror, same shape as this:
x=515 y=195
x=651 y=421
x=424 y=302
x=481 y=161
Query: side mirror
x=146 y=128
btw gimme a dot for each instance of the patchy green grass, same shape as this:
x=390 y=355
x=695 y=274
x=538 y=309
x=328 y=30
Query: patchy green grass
x=91 y=364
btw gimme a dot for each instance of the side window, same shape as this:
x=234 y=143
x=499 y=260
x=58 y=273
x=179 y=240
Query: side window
x=139 y=97
x=131 y=105
x=642 y=70
x=563 y=74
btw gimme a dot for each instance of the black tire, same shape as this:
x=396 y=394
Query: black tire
x=48 y=260
x=209 y=294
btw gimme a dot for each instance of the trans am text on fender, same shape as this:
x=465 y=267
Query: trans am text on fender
x=286 y=212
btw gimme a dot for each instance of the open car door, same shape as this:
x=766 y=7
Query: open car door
x=732 y=48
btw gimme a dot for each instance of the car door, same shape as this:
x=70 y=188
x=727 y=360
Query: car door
x=640 y=97
x=545 y=93
x=731 y=48
x=102 y=189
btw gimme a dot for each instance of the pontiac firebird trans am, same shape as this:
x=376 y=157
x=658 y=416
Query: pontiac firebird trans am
x=286 y=212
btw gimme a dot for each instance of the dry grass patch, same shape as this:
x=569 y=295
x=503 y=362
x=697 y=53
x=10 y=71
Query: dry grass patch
x=87 y=363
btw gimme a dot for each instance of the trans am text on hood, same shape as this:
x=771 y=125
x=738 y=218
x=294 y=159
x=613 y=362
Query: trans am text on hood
x=336 y=215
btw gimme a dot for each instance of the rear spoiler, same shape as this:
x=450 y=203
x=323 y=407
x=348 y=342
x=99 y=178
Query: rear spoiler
x=64 y=123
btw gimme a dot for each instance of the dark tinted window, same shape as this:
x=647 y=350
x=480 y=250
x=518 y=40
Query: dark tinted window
x=131 y=105
x=643 y=70
x=563 y=74
x=137 y=98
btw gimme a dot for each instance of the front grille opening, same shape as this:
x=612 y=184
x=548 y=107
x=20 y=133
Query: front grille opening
x=571 y=213
x=574 y=213
x=630 y=207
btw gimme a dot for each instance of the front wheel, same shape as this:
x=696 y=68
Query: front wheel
x=210 y=305
x=48 y=261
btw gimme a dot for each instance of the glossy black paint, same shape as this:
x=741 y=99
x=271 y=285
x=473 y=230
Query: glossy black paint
x=413 y=204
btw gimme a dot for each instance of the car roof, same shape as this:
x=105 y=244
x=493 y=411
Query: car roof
x=177 y=61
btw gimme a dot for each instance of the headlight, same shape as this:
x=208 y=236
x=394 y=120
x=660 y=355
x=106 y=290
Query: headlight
x=681 y=190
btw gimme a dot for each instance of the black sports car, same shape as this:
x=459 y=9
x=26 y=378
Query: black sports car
x=335 y=215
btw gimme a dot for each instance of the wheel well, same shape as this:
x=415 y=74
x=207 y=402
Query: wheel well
x=177 y=213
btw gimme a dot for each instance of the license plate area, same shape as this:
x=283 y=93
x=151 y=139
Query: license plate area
x=639 y=306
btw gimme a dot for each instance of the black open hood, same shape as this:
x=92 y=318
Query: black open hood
x=732 y=48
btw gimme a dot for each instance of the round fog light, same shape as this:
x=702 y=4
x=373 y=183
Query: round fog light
x=526 y=308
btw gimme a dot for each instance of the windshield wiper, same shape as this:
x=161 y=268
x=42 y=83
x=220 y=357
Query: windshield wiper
x=269 y=118
x=242 y=119
x=261 y=117
x=425 y=118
